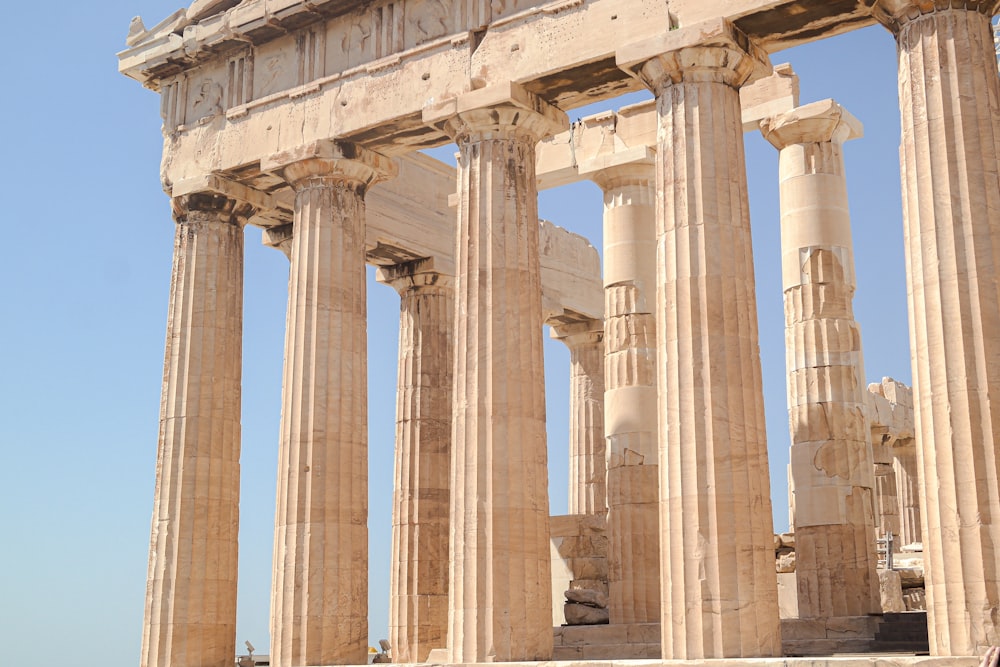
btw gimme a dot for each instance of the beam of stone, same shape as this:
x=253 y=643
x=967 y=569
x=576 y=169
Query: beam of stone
x=319 y=600
x=418 y=609
x=718 y=589
x=237 y=86
x=587 y=469
x=949 y=98
x=627 y=181
x=190 y=613
x=831 y=460
x=500 y=577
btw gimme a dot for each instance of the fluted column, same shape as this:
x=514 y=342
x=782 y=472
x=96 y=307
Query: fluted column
x=908 y=489
x=500 y=606
x=190 y=617
x=831 y=456
x=718 y=588
x=949 y=96
x=418 y=609
x=630 y=391
x=587 y=471
x=319 y=599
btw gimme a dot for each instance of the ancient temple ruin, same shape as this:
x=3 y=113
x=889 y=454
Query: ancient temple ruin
x=306 y=118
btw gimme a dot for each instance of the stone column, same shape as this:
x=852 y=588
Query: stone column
x=831 y=457
x=500 y=586
x=886 y=496
x=718 y=587
x=190 y=617
x=949 y=96
x=418 y=609
x=319 y=600
x=630 y=391
x=908 y=488
x=587 y=488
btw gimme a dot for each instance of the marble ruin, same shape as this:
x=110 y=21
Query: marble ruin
x=306 y=118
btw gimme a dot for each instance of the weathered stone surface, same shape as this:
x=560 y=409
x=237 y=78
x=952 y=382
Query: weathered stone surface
x=915 y=599
x=581 y=614
x=588 y=597
x=786 y=562
x=890 y=591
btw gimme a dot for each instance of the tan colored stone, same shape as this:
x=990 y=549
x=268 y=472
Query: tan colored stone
x=190 y=610
x=831 y=464
x=500 y=589
x=890 y=591
x=319 y=613
x=418 y=607
x=718 y=589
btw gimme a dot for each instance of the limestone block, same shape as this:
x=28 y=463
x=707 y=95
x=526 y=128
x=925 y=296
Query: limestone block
x=890 y=591
x=580 y=614
x=786 y=563
x=910 y=577
x=592 y=598
x=787 y=540
x=788 y=597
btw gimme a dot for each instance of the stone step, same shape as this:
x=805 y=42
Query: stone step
x=608 y=652
x=902 y=632
x=821 y=647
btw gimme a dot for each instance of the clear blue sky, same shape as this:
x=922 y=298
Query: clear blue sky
x=87 y=271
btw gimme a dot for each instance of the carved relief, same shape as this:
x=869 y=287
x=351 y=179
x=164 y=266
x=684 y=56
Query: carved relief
x=276 y=67
x=428 y=19
x=207 y=99
x=357 y=42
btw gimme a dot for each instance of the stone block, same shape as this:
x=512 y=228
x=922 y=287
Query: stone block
x=787 y=540
x=785 y=563
x=788 y=597
x=915 y=599
x=588 y=597
x=580 y=614
x=891 y=591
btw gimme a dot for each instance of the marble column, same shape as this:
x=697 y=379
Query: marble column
x=832 y=474
x=949 y=96
x=190 y=616
x=418 y=607
x=908 y=488
x=587 y=472
x=500 y=585
x=886 y=495
x=718 y=587
x=630 y=391
x=319 y=599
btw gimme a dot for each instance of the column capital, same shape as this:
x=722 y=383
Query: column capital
x=210 y=206
x=330 y=162
x=819 y=122
x=578 y=332
x=713 y=51
x=894 y=14
x=635 y=168
x=495 y=112
x=420 y=273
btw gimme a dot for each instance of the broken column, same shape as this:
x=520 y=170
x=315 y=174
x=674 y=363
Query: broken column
x=718 y=588
x=949 y=97
x=190 y=615
x=319 y=600
x=500 y=579
x=630 y=379
x=831 y=457
x=585 y=340
x=418 y=609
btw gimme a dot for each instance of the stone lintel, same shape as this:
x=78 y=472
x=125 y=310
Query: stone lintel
x=818 y=122
x=279 y=238
x=640 y=158
x=894 y=14
x=329 y=157
x=675 y=51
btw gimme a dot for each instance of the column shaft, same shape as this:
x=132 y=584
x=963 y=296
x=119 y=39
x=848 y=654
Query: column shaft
x=949 y=96
x=831 y=457
x=190 y=616
x=587 y=471
x=418 y=610
x=718 y=587
x=500 y=579
x=319 y=603
x=630 y=393
x=908 y=488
